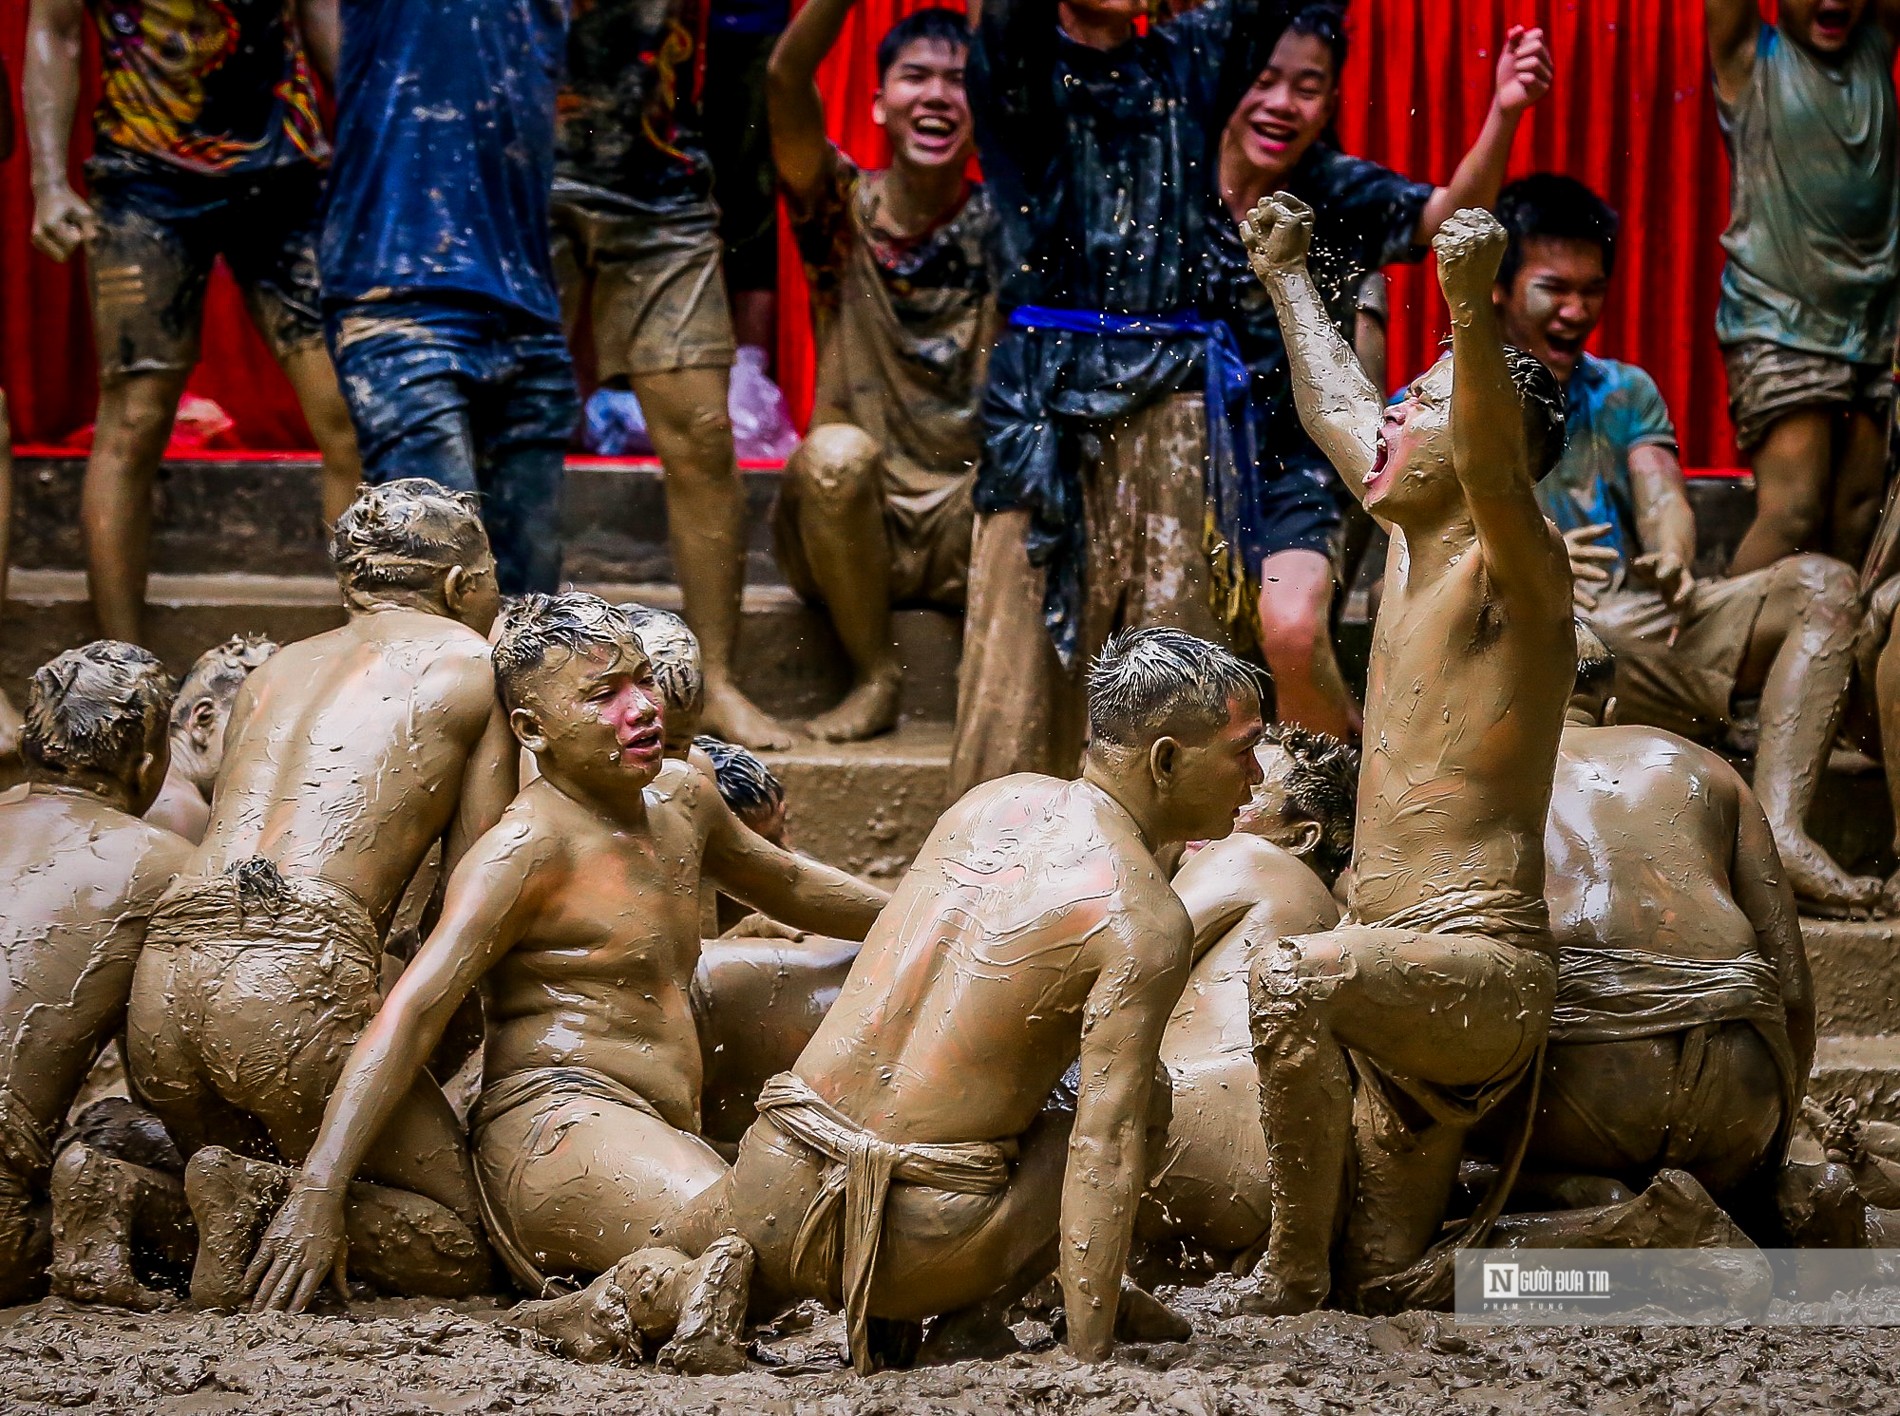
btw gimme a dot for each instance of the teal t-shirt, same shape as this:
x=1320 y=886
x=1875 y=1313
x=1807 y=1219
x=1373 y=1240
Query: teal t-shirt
x=1613 y=408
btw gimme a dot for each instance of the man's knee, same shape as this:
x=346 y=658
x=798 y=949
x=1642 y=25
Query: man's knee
x=1288 y=1001
x=1811 y=585
x=142 y=406
x=834 y=468
x=699 y=427
x=1293 y=624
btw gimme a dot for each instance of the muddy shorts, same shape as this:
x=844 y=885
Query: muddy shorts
x=248 y=996
x=929 y=536
x=650 y=283
x=1685 y=687
x=159 y=235
x=1768 y=381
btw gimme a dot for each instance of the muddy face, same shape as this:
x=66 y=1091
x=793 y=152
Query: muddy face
x=922 y=105
x=595 y=720
x=1287 y=108
x=1554 y=301
x=1822 y=26
x=1211 y=779
x=1412 y=473
x=1268 y=813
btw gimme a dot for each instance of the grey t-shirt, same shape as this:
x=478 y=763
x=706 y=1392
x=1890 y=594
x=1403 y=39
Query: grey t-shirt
x=1814 y=229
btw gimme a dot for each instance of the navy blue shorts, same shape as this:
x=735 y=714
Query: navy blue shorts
x=1300 y=506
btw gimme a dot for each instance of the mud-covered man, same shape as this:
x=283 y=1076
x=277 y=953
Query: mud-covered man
x=637 y=251
x=208 y=142
x=875 y=508
x=1439 y=982
x=579 y=914
x=348 y=756
x=200 y=715
x=80 y=874
x=908 y=1166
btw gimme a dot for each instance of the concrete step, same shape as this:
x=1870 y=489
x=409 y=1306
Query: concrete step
x=788 y=656
x=866 y=807
x=1856 y=970
x=1863 y=1066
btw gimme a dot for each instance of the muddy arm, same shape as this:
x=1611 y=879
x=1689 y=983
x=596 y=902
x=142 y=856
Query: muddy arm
x=489 y=782
x=49 y=86
x=800 y=148
x=1733 y=26
x=1524 y=74
x=794 y=889
x=1217 y=891
x=1761 y=887
x=1665 y=522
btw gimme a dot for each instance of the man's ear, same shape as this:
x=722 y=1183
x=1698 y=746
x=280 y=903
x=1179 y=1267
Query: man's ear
x=1164 y=760
x=1305 y=838
x=200 y=722
x=879 y=114
x=455 y=586
x=527 y=729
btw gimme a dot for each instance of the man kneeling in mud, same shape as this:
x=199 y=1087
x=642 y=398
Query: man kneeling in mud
x=579 y=913
x=908 y=1166
x=80 y=874
x=347 y=757
x=1395 y=1032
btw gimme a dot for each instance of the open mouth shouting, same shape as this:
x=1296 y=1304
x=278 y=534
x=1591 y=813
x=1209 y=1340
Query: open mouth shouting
x=643 y=745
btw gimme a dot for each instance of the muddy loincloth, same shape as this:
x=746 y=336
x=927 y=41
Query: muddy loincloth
x=26 y=1155
x=543 y=1088
x=841 y=1231
x=1619 y=995
x=255 y=985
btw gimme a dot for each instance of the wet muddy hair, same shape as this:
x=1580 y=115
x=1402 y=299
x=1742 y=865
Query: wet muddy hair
x=746 y=785
x=1150 y=683
x=1544 y=409
x=1596 y=662
x=402 y=535
x=674 y=650
x=219 y=673
x=933 y=22
x=1323 y=788
x=1562 y=208
x=535 y=626
x=93 y=710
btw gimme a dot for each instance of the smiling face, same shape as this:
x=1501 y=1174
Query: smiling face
x=1287 y=108
x=594 y=720
x=1554 y=301
x=922 y=105
x=1823 y=26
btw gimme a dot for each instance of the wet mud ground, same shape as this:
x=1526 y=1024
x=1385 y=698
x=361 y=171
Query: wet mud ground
x=393 y=1358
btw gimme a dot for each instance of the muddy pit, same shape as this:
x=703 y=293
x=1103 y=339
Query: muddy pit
x=390 y=1357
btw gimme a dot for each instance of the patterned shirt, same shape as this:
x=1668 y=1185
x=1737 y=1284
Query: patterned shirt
x=1613 y=408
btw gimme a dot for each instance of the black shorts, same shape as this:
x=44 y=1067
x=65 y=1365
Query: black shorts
x=161 y=232
x=1299 y=506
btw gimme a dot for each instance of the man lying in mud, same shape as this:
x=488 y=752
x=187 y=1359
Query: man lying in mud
x=200 y=716
x=908 y=1166
x=579 y=915
x=348 y=756
x=80 y=874
x=1440 y=980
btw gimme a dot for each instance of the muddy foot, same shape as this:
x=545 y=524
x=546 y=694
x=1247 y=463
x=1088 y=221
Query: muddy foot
x=593 y=1325
x=1675 y=1212
x=736 y=718
x=1265 y=1295
x=232 y=1199
x=1142 y=1317
x=1821 y=887
x=710 y=1338
x=869 y=709
x=94 y=1199
x=976 y=1334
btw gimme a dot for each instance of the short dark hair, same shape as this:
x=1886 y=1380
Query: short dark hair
x=1596 y=661
x=220 y=672
x=1544 y=409
x=933 y=22
x=93 y=708
x=1324 y=20
x=534 y=626
x=673 y=649
x=746 y=785
x=1150 y=683
x=403 y=534
x=1323 y=787
x=1553 y=205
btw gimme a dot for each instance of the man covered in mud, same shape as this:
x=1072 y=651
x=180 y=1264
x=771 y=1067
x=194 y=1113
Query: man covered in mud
x=348 y=756
x=81 y=875
x=908 y=1166
x=875 y=507
x=200 y=715
x=637 y=251
x=1391 y=1035
x=208 y=142
x=1687 y=649
x=579 y=913
x=1272 y=878
x=1111 y=412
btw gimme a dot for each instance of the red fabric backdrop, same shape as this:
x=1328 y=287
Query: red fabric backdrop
x=1631 y=113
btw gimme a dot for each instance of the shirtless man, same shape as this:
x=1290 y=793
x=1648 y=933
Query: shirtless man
x=348 y=756
x=81 y=874
x=1270 y=879
x=907 y=1167
x=579 y=914
x=200 y=716
x=1441 y=978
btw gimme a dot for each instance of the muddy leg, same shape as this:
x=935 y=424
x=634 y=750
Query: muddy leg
x=231 y=1199
x=100 y=1205
x=1673 y=1213
x=314 y=381
x=1792 y=468
x=115 y=500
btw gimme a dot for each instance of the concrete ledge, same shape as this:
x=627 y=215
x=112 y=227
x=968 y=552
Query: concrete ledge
x=1856 y=968
x=1866 y=1068
x=866 y=807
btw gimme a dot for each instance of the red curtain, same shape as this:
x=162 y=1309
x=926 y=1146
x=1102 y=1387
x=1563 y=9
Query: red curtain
x=1630 y=113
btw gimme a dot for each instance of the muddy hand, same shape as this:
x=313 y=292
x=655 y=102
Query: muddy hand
x=1470 y=247
x=1672 y=579
x=1277 y=233
x=1524 y=69
x=61 y=222
x=1590 y=564
x=303 y=1244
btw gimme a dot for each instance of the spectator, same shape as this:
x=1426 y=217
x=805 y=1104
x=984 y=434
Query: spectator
x=740 y=35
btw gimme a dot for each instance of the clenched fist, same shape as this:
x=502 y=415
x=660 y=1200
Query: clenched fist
x=1277 y=233
x=1470 y=248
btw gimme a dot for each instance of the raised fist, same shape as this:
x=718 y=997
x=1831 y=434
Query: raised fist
x=1277 y=233
x=1470 y=247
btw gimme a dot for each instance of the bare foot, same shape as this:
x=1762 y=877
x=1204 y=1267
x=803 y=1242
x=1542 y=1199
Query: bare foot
x=593 y=1325
x=95 y=1197
x=1821 y=887
x=1265 y=1294
x=232 y=1199
x=736 y=718
x=869 y=709
x=710 y=1338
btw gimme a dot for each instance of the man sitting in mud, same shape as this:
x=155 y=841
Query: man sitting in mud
x=908 y=1166
x=579 y=915
x=80 y=876
x=1272 y=878
x=200 y=716
x=347 y=757
x=1392 y=1034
